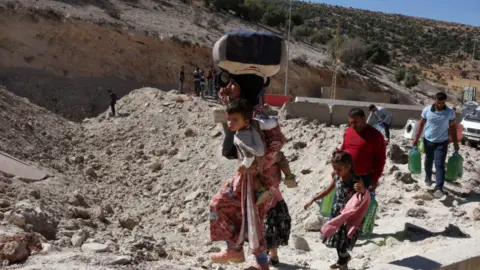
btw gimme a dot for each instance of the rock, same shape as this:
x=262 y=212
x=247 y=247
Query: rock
x=78 y=212
x=476 y=213
x=4 y=203
x=306 y=171
x=189 y=132
x=35 y=194
x=78 y=238
x=108 y=151
x=121 y=260
x=77 y=199
x=313 y=223
x=404 y=177
x=391 y=241
x=78 y=159
x=192 y=196
x=215 y=133
x=423 y=195
x=15 y=218
x=15 y=251
x=70 y=224
x=129 y=222
x=173 y=152
x=393 y=169
x=419 y=202
x=300 y=243
x=156 y=166
x=299 y=145
x=94 y=248
x=397 y=155
x=99 y=214
x=416 y=213
x=90 y=171
x=160 y=152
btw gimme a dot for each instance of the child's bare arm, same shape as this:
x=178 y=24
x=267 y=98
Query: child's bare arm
x=320 y=195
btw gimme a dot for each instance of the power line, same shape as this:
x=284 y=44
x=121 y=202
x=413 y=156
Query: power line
x=288 y=47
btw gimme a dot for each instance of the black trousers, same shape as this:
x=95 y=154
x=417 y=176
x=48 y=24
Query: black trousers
x=112 y=106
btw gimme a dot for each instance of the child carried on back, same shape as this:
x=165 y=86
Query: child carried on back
x=248 y=141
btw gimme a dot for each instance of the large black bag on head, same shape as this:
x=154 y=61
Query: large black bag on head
x=228 y=148
x=246 y=52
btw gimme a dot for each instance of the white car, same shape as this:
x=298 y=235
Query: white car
x=471 y=128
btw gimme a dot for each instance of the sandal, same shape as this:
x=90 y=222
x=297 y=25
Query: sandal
x=290 y=181
x=337 y=266
x=274 y=260
x=229 y=255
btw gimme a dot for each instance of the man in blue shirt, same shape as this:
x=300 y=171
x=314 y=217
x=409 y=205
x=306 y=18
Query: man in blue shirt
x=439 y=122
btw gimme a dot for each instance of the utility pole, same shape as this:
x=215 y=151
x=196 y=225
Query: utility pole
x=288 y=47
x=471 y=72
x=473 y=59
x=335 y=61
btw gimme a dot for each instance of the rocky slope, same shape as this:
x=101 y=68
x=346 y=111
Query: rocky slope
x=68 y=53
x=134 y=190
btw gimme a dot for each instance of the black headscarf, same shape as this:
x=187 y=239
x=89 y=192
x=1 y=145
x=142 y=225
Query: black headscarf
x=250 y=86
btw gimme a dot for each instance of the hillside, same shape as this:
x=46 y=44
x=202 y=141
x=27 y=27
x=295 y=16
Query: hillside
x=442 y=49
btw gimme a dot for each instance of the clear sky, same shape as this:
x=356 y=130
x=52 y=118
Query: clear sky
x=460 y=11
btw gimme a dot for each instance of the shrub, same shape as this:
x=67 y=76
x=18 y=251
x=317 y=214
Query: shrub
x=321 y=37
x=274 y=16
x=400 y=74
x=378 y=55
x=352 y=52
x=252 y=10
x=411 y=80
x=302 y=31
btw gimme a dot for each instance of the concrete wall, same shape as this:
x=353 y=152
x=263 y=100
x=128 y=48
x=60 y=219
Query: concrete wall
x=335 y=112
x=310 y=111
x=469 y=264
x=340 y=109
x=354 y=95
x=462 y=256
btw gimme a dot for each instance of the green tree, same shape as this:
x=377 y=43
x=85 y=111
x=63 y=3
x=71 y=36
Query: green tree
x=378 y=55
x=400 y=74
x=252 y=10
x=297 y=19
x=411 y=80
x=302 y=31
x=321 y=37
x=274 y=16
x=226 y=5
x=352 y=52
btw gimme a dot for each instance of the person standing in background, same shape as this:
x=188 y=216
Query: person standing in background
x=383 y=116
x=181 y=77
x=196 y=81
x=113 y=100
x=210 y=82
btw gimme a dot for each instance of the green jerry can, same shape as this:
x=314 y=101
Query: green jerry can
x=326 y=204
x=369 y=221
x=415 y=161
x=454 y=167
